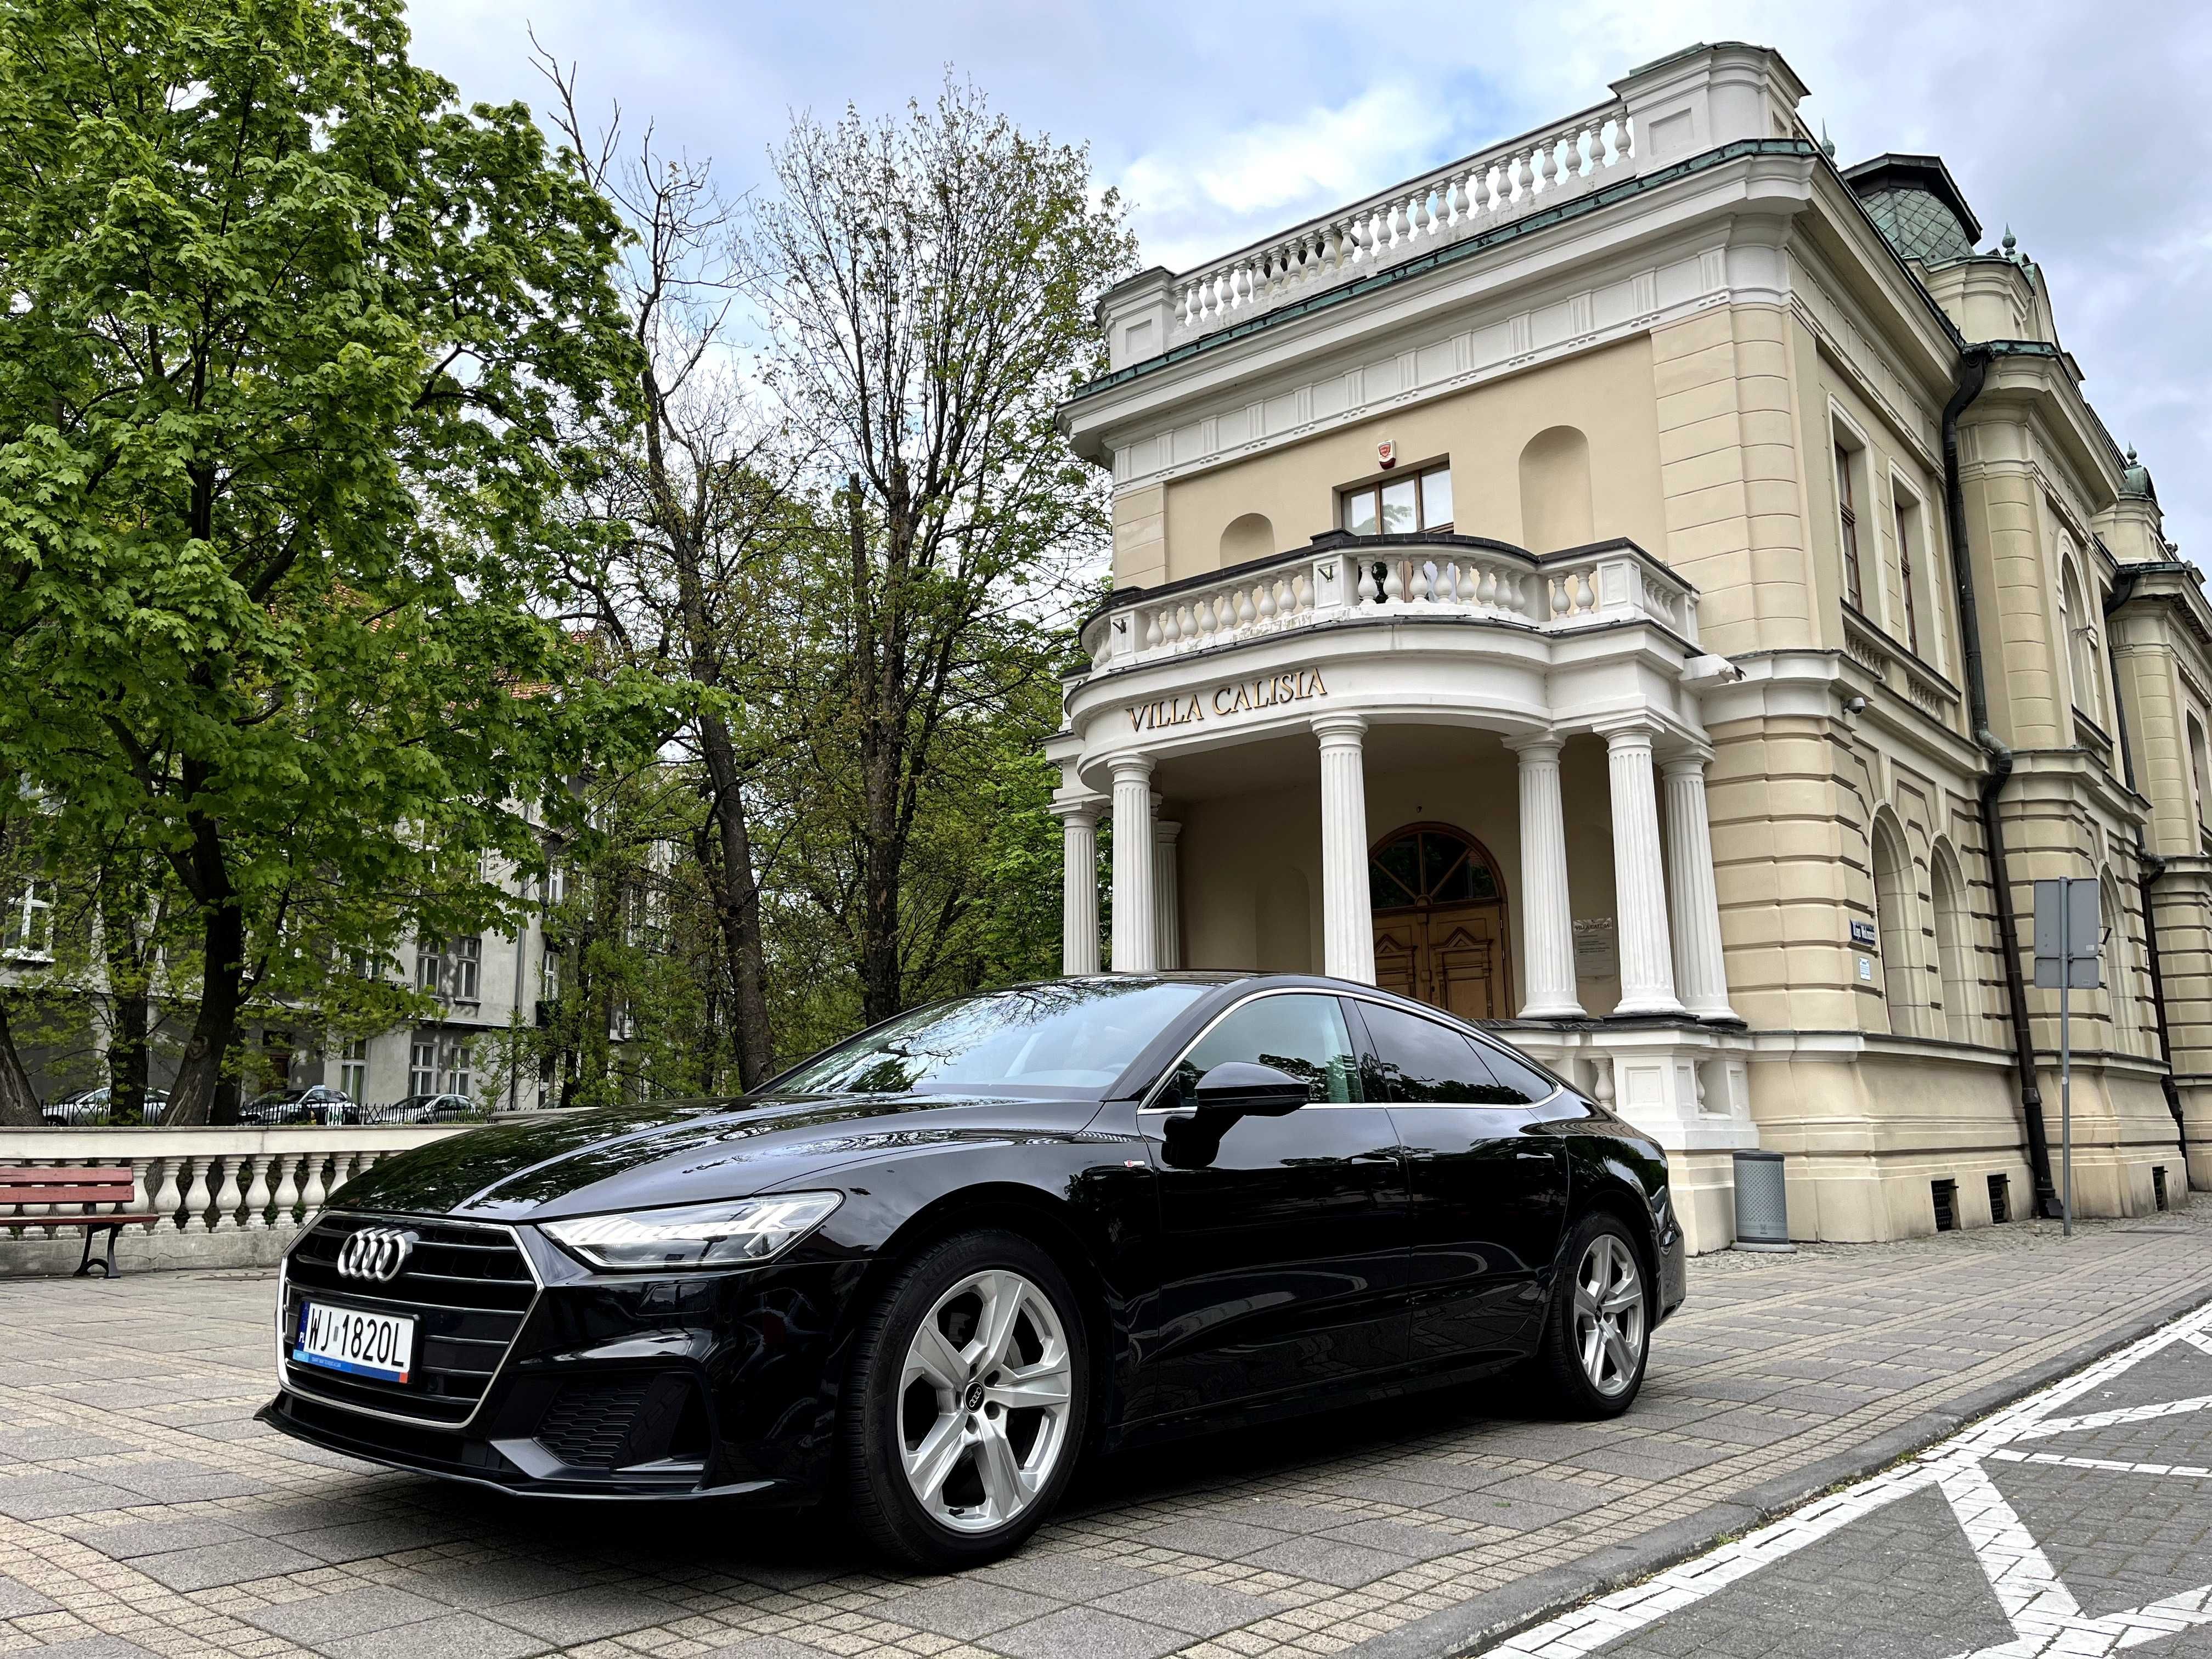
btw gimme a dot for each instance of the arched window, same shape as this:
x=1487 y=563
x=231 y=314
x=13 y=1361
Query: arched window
x=2122 y=969
x=2198 y=770
x=1555 y=491
x=2080 y=625
x=1897 y=918
x=1252 y=537
x=1954 y=947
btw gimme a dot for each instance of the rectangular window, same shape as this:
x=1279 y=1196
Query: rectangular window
x=1848 y=515
x=454 y=1079
x=27 y=932
x=353 y=1069
x=1904 y=574
x=556 y=883
x=551 y=973
x=430 y=964
x=1420 y=502
x=422 y=1066
x=467 y=959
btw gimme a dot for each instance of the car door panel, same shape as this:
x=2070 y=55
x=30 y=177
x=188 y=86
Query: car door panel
x=1282 y=1243
x=1487 y=1188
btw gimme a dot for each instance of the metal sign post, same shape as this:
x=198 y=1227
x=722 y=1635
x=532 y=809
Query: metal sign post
x=2069 y=931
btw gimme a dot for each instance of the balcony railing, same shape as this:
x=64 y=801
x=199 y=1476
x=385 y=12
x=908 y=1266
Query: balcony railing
x=1538 y=170
x=1344 y=579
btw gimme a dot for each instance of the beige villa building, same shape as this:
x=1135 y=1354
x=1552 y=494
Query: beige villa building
x=1651 y=588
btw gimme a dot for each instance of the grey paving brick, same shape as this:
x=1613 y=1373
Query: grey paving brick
x=357 y=1541
x=82 y=1497
x=1066 y=1577
x=345 y=1613
x=1087 y=1633
x=963 y=1609
x=449 y=1636
x=588 y=1613
x=1346 y=1565
x=1397 y=1538
x=1225 y=1540
x=489 y=1583
x=18 y=1600
x=1193 y=1609
x=85 y=1647
x=211 y=1565
x=128 y=1540
x=763 y=1647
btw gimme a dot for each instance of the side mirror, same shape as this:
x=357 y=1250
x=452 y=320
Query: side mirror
x=1249 y=1091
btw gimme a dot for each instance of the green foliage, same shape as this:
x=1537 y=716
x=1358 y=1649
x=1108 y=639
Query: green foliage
x=283 y=381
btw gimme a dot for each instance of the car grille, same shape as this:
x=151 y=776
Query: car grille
x=468 y=1287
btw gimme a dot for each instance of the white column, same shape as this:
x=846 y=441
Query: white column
x=1639 y=878
x=1134 y=936
x=1347 y=910
x=1167 y=944
x=1700 y=972
x=1079 y=886
x=1547 y=927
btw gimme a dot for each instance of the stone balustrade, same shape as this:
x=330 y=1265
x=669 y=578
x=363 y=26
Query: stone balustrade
x=226 y=1197
x=1538 y=170
x=1394 y=579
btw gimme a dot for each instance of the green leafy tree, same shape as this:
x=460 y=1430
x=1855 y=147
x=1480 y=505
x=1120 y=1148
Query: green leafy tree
x=290 y=343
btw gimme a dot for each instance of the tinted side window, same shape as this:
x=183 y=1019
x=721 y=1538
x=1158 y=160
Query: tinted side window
x=1304 y=1036
x=1515 y=1073
x=1424 y=1063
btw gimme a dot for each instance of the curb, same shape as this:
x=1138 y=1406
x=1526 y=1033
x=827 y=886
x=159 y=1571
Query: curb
x=1496 y=1615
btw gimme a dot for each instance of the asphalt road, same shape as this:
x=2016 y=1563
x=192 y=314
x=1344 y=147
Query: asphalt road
x=2078 y=1523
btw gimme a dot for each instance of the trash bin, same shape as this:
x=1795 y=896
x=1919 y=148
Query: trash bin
x=1762 y=1203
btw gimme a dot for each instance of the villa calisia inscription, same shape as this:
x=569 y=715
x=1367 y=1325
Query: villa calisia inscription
x=1241 y=697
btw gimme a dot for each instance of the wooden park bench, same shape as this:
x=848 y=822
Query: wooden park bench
x=90 y=1183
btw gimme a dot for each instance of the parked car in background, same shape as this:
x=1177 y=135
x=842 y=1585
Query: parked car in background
x=90 y=1107
x=318 y=1104
x=425 y=1108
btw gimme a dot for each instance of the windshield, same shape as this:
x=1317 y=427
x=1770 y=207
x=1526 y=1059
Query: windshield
x=1068 y=1038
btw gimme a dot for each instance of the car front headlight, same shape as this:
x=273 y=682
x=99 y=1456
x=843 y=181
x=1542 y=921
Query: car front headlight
x=731 y=1235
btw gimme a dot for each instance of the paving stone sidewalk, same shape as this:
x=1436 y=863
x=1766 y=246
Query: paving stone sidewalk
x=143 y=1511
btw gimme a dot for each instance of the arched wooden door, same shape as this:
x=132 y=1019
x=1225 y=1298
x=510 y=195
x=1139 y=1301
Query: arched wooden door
x=1440 y=933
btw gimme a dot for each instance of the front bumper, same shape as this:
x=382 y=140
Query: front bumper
x=568 y=1383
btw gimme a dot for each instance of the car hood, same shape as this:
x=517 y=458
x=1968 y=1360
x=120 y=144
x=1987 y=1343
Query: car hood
x=684 y=1151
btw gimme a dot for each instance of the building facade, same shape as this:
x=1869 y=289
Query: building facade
x=1647 y=587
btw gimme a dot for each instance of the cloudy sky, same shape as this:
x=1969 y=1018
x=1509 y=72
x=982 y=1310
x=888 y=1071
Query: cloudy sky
x=2084 y=127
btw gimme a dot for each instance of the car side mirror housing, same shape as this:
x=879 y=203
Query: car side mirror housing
x=1249 y=1091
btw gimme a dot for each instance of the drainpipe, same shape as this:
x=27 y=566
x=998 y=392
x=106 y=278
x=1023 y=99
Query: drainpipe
x=1973 y=371
x=2153 y=867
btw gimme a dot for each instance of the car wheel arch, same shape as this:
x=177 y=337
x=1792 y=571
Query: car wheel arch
x=1045 y=1221
x=1614 y=1198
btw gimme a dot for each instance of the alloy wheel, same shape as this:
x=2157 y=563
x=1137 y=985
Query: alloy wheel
x=984 y=1402
x=1609 y=1314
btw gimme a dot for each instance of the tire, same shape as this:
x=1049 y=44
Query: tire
x=1576 y=1368
x=944 y=1467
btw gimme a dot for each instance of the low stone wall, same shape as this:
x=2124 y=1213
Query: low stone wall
x=227 y=1198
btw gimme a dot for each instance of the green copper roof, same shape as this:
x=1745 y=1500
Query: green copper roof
x=1917 y=205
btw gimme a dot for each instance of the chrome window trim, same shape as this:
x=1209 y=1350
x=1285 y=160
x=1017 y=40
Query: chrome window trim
x=1435 y=1017
x=285 y=1385
x=1183 y=1054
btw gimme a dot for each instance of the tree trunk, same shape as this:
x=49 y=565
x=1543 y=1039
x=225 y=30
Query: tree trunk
x=728 y=863
x=19 y=1107
x=202 y=1096
x=122 y=902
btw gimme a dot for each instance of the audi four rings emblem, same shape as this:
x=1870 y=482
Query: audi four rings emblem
x=377 y=1253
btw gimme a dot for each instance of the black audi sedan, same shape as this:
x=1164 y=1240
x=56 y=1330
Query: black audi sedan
x=926 y=1272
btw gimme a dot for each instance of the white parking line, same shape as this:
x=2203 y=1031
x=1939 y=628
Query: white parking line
x=2045 y=1616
